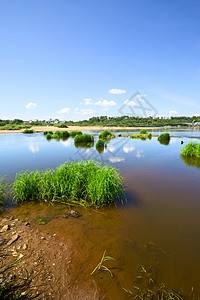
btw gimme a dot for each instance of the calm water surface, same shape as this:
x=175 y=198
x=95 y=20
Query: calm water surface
x=158 y=229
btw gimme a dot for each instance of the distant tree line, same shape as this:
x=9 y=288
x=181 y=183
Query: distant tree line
x=122 y=121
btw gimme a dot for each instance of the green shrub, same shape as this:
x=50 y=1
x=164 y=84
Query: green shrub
x=86 y=182
x=143 y=131
x=191 y=149
x=28 y=131
x=83 y=138
x=75 y=132
x=100 y=144
x=48 y=132
x=105 y=134
x=61 y=125
x=164 y=136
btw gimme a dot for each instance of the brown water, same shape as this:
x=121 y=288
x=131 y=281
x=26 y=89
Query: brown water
x=158 y=229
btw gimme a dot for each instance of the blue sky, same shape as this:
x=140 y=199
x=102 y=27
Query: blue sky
x=73 y=59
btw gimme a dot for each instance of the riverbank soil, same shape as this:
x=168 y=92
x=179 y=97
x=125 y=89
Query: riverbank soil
x=40 y=264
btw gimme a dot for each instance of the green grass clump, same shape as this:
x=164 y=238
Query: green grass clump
x=48 y=132
x=86 y=182
x=149 y=135
x=105 y=134
x=75 y=132
x=100 y=144
x=164 y=136
x=83 y=138
x=3 y=187
x=143 y=131
x=191 y=149
x=28 y=131
x=49 y=136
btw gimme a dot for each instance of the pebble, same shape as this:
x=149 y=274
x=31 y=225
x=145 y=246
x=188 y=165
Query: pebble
x=74 y=214
x=13 y=239
x=5 y=228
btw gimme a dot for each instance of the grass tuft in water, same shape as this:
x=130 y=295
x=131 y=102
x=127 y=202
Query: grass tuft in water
x=28 y=131
x=3 y=188
x=85 y=182
x=106 y=135
x=164 y=137
x=100 y=265
x=192 y=149
x=83 y=138
x=143 y=131
x=75 y=132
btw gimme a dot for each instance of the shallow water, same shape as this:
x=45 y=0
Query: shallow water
x=158 y=228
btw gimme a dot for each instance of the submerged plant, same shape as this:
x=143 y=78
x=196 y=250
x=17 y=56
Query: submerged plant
x=100 y=265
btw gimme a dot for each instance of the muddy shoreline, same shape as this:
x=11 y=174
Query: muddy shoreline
x=43 y=263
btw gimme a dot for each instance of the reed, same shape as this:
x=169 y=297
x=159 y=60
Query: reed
x=85 y=182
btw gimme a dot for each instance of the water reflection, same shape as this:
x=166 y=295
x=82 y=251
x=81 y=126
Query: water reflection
x=140 y=153
x=116 y=159
x=164 y=142
x=66 y=143
x=191 y=161
x=128 y=149
x=84 y=145
x=34 y=148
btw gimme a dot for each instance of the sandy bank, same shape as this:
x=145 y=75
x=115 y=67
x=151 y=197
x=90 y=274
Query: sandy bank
x=84 y=128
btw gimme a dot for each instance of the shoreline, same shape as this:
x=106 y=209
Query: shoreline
x=84 y=128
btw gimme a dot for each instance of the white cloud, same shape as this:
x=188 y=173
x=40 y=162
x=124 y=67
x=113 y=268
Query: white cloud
x=129 y=103
x=117 y=91
x=106 y=103
x=87 y=111
x=31 y=105
x=116 y=159
x=76 y=109
x=127 y=149
x=173 y=112
x=63 y=111
x=87 y=101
